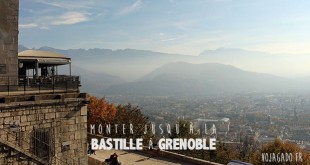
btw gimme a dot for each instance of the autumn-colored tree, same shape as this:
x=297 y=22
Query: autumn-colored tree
x=100 y=111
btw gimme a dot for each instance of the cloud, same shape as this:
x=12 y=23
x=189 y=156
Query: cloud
x=70 y=18
x=68 y=5
x=44 y=27
x=67 y=18
x=129 y=9
x=55 y=4
x=165 y=37
x=61 y=12
x=30 y=25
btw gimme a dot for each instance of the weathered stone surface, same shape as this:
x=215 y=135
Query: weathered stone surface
x=8 y=39
x=31 y=117
x=5 y=114
x=84 y=119
x=68 y=125
x=84 y=111
x=8 y=119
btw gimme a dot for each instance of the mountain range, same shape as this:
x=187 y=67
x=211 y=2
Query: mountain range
x=198 y=80
x=146 y=73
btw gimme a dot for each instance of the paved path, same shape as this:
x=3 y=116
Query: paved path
x=135 y=158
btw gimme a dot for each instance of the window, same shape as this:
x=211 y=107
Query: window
x=42 y=143
x=2 y=69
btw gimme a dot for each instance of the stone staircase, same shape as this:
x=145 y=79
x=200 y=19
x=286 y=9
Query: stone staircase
x=17 y=149
x=10 y=152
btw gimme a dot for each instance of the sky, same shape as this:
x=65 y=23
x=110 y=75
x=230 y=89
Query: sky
x=170 y=26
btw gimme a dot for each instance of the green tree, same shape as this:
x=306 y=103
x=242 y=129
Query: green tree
x=129 y=115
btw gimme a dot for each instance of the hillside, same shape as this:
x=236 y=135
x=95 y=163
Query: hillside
x=147 y=73
x=92 y=82
x=126 y=63
x=185 y=79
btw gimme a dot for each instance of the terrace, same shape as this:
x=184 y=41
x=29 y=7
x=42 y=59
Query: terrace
x=38 y=72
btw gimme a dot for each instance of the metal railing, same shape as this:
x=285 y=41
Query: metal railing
x=27 y=84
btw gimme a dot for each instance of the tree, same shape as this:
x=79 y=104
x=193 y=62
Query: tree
x=130 y=115
x=279 y=146
x=225 y=153
x=100 y=111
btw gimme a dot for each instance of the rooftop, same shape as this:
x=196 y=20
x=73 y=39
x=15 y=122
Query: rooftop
x=41 y=54
x=43 y=58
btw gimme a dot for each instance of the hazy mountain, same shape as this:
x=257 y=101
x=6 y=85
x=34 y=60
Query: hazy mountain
x=22 y=48
x=185 y=79
x=287 y=65
x=234 y=56
x=159 y=74
x=93 y=82
x=130 y=64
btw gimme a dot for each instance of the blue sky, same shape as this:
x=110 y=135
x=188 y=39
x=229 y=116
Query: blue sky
x=172 y=26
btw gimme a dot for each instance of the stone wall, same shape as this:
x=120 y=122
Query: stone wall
x=63 y=117
x=8 y=39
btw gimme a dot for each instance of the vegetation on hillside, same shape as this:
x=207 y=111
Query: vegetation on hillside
x=100 y=111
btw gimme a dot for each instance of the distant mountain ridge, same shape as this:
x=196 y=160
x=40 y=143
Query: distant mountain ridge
x=125 y=63
x=93 y=82
x=145 y=73
x=189 y=80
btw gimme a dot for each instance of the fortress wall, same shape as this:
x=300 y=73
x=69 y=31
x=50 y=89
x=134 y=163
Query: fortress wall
x=62 y=117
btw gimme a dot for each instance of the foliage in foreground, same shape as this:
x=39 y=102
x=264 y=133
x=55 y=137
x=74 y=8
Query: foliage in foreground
x=102 y=112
